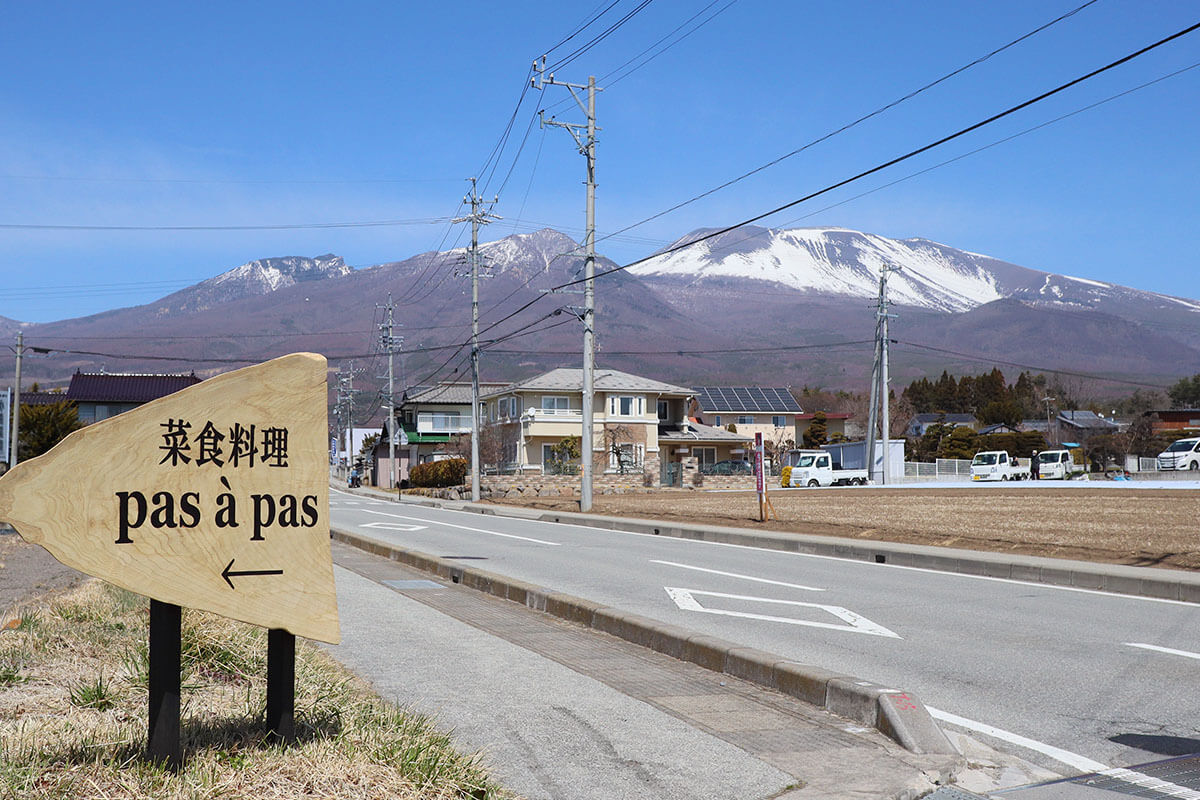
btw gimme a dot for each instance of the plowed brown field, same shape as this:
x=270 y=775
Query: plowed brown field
x=1146 y=527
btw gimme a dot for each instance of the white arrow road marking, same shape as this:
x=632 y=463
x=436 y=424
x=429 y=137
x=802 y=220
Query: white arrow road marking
x=461 y=527
x=1167 y=650
x=393 y=526
x=737 y=575
x=855 y=623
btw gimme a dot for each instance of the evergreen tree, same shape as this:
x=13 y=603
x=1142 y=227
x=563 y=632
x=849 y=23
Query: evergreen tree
x=42 y=427
x=1185 y=393
x=817 y=433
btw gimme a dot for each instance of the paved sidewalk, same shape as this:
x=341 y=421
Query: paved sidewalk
x=564 y=712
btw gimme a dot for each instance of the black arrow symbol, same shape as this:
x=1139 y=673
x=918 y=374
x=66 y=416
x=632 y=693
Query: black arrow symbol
x=229 y=572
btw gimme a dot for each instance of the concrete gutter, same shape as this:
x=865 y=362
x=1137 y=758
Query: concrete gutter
x=1168 y=584
x=895 y=713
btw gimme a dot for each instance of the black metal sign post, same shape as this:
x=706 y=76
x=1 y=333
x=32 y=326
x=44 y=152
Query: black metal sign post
x=281 y=685
x=165 y=648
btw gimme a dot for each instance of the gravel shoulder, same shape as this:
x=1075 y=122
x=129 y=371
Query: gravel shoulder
x=1154 y=528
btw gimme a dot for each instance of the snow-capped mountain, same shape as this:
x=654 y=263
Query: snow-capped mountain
x=750 y=306
x=253 y=279
x=837 y=261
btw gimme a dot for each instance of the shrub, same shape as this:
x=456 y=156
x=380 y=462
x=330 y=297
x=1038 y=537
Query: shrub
x=437 y=474
x=785 y=477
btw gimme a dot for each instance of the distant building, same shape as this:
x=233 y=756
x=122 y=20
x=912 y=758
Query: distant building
x=100 y=395
x=922 y=422
x=1183 y=420
x=1071 y=426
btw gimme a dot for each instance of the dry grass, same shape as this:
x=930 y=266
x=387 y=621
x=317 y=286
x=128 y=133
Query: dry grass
x=73 y=696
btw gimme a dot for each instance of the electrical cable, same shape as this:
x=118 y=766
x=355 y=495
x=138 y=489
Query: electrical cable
x=858 y=121
x=892 y=162
x=282 y=227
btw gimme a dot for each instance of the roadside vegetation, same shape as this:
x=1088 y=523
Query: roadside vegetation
x=73 y=714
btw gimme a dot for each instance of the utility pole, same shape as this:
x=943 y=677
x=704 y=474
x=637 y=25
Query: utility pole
x=587 y=147
x=477 y=217
x=1047 y=400
x=346 y=392
x=390 y=343
x=880 y=382
x=16 y=407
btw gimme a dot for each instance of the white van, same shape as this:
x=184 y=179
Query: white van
x=1182 y=454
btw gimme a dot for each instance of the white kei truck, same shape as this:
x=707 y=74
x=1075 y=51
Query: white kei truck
x=1182 y=454
x=1059 y=465
x=814 y=468
x=997 y=465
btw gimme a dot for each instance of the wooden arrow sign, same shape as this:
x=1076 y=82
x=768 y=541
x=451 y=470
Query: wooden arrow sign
x=164 y=499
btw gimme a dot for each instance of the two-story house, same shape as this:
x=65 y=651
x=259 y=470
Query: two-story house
x=771 y=411
x=639 y=424
x=428 y=417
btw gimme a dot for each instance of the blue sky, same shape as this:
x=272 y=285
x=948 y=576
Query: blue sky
x=248 y=114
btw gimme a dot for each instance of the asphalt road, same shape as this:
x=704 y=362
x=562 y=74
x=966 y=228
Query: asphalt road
x=1074 y=680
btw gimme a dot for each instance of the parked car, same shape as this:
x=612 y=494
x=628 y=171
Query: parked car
x=729 y=467
x=1182 y=454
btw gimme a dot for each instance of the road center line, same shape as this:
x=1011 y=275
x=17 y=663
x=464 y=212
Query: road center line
x=738 y=575
x=1168 y=650
x=461 y=527
x=1074 y=760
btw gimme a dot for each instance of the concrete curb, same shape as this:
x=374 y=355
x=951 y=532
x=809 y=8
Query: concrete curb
x=1166 y=584
x=898 y=715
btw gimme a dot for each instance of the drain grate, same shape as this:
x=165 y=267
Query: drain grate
x=464 y=558
x=1173 y=779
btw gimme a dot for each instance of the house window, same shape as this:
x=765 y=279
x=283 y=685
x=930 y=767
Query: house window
x=663 y=411
x=446 y=421
x=627 y=457
x=626 y=406
x=509 y=406
x=779 y=421
x=745 y=419
x=556 y=404
x=705 y=456
x=717 y=420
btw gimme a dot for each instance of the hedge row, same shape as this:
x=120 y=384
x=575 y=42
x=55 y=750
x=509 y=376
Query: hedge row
x=437 y=474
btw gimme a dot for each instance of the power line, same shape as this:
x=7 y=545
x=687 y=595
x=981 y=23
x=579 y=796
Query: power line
x=703 y=352
x=731 y=243
x=570 y=57
x=899 y=159
x=858 y=121
x=990 y=360
x=283 y=227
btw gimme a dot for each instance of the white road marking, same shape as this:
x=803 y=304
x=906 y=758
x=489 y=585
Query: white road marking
x=393 y=526
x=855 y=623
x=1074 y=760
x=963 y=575
x=1168 y=650
x=738 y=575
x=463 y=527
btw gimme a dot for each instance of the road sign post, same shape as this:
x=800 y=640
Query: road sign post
x=214 y=498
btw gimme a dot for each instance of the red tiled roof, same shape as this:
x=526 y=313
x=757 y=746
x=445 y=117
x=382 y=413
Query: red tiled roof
x=91 y=387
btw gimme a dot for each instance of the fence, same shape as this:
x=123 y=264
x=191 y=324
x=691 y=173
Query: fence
x=942 y=468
